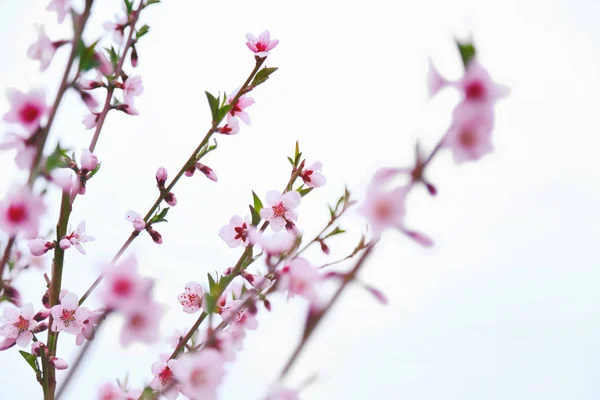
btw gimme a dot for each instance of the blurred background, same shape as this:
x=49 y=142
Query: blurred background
x=505 y=306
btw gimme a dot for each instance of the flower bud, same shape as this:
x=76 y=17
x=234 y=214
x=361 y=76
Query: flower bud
x=171 y=199
x=210 y=174
x=42 y=315
x=134 y=57
x=324 y=247
x=190 y=171
x=89 y=161
x=161 y=177
x=155 y=235
x=59 y=363
x=267 y=304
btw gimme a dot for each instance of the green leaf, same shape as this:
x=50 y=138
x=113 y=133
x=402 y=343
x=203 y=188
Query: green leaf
x=262 y=76
x=113 y=56
x=467 y=52
x=290 y=160
x=304 y=192
x=30 y=358
x=128 y=6
x=147 y=394
x=209 y=302
x=213 y=102
x=58 y=159
x=334 y=232
x=223 y=112
x=150 y=2
x=87 y=56
x=160 y=217
x=211 y=283
x=257 y=203
x=255 y=216
x=142 y=31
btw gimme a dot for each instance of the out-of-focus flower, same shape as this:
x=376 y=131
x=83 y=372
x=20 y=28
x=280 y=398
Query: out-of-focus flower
x=27 y=109
x=20 y=212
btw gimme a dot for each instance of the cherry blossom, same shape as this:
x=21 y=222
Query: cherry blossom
x=210 y=174
x=478 y=87
x=280 y=211
x=63 y=178
x=273 y=244
x=68 y=316
x=89 y=326
x=76 y=238
x=142 y=321
x=136 y=219
x=27 y=109
x=384 y=208
x=25 y=147
x=262 y=45
x=43 y=49
x=236 y=232
x=20 y=213
x=116 y=28
x=109 y=391
x=163 y=381
x=91 y=120
x=232 y=127
x=19 y=324
x=105 y=67
x=237 y=110
x=61 y=7
x=123 y=284
x=132 y=87
x=191 y=298
x=312 y=177
x=199 y=374
x=298 y=277
x=39 y=247
x=234 y=313
x=470 y=135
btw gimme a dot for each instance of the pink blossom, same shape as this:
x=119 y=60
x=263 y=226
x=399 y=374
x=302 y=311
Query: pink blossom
x=312 y=177
x=384 y=208
x=262 y=45
x=61 y=7
x=89 y=84
x=39 y=247
x=105 y=67
x=142 y=321
x=27 y=109
x=123 y=284
x=19 y=324
x=237 y=110
x=68 y=316
x=89 y=326
x=191 y=298
x=470 y=135
x=91 y=120
x=298 y=277
x=88 y=161
x=127 y=109
x=478 y=87
x=136 y=219
x=163 y=378
x=274 y=244
x=20 y=212
x=25 y=147
x=116 y=28
x=63 y=178
x=76 y=237
x=232 y=127
x=236 y=232
x=200 y=374
x=280 y=211
x=43 y=49
x=132 y=87
x=234 y=313
x=59 y=363
x=210 y=174
x=284 y=394
x=109 y=391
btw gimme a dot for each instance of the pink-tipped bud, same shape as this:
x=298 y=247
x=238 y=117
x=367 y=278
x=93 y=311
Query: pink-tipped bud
x=134 y=57
x=378 y=294
x=161 y=177
x=89 y=161
x=127 y=109
x=42 y=315
x=37 y=348
x=324 y=247
x=267 y=304
x=46 y=299
x=7 y=343
x=39 y=247
x=154 y=234
x=13 y=295
x=190 y=171
x=227 y=271
x=210 y=174
x=90 y=102
x=420 y=238
x=105 y=67
x=40 y=327
x=65 y=243
x=59 y=363
x=431 y=189
x=171 y=199
x=247 y=276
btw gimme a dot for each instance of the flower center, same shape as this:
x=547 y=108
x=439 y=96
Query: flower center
x=122 y=286
x=242 y=232
x=165 y=375
x=475 y=91
x=29 y=113
x=137 y=321
x=198 y=377
x=68 y=316
x=279 y=210
x=22 y=324
x=467 y=139
x=383 y=209
x=16 y=213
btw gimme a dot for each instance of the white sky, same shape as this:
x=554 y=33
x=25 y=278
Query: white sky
x=506 y=304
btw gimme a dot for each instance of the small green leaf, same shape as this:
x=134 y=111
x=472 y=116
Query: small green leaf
x=257 y=203
x=30 y=358
x=113 y=56
x=160 y=217
x=262 y=76
x=147 y=394
x=290 y=160
x=150 y=2
x=211 y=283
x=128 y=6
x=209 y=302
x=467 y=52
x=142 y=31
x=304 y=192
x=334 y=232
x=223 y=112
x=255 y=216
x=87 y=56
x=213 y=102
x=58 y=159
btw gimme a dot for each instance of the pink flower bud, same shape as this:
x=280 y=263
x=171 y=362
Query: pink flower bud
x=190 y=171
x=324 y=247
x=105 y=65
x=36 y=348
x=42 y=315
x=89 y=161
x=39 y=246
x=46 y=299
x=161 y=177
x=418 y=237
x=378 y=294
x=134 y=57
x=267 y=304
x=171 y=199
x=40 y=327
x=65 y=243
x=127 y=109
x=13 y=295
x=210 y=174
x=155 y=235
x=59 y=363
x=90 y=102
